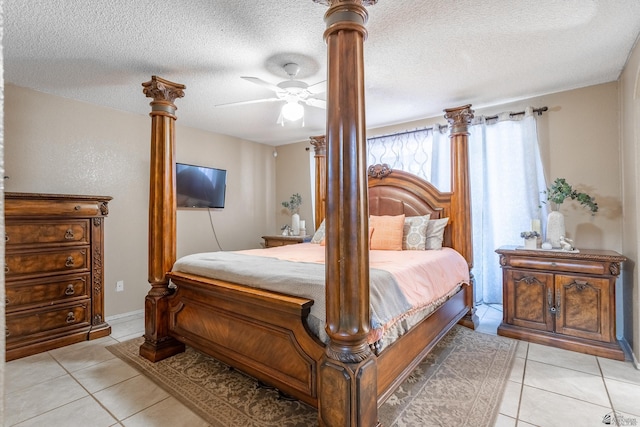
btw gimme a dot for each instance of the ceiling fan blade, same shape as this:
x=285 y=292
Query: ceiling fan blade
x=320 y=87
x=262 y=83
x=255 y=101
x=315 y=102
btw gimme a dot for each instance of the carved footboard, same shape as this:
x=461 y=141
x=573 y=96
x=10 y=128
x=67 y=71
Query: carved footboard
x=259 y=332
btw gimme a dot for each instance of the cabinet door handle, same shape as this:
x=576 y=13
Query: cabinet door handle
x=71 y=318
x=558 y=301
x=69 y=262
x=552 y=309
x=70 y=290
x=68 y=235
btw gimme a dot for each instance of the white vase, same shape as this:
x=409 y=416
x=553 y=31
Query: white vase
x=295 y=224
x=555 y=228
x=531 y=243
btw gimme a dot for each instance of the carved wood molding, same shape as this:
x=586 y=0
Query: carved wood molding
x=334 y=2
x=163 y=90
x=379 y=171
x=459 y=118
x=319 y=144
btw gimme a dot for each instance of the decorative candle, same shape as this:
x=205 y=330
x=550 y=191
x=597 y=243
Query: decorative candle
x=535 y=225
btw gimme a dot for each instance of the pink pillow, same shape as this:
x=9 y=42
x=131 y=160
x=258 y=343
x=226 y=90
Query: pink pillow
x=387 y=233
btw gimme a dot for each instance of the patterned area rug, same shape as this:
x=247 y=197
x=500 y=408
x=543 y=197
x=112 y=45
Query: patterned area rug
x=460 y=383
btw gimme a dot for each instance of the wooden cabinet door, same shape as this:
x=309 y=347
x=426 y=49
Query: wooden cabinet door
x=527 y=299
x=583 y=307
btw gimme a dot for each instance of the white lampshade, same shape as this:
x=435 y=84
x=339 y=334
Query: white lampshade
x=292 y=111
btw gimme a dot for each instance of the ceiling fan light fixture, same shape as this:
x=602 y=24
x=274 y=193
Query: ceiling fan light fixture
x=292 y=111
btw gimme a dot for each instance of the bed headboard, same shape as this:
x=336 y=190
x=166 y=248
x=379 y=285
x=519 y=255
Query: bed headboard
x=395 y=192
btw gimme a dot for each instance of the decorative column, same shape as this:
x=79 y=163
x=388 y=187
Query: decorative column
x=162 y=218
x=348 y=370
x=320 y=148
x=459 y=119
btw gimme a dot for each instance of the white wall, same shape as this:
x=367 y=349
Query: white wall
x=57 y=145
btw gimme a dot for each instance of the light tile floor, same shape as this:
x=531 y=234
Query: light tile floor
x=84 y=385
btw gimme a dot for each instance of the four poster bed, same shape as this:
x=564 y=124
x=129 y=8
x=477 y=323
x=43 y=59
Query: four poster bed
x=265 y=333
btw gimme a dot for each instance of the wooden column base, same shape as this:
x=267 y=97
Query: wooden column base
x=348 y=393
x=158 y=344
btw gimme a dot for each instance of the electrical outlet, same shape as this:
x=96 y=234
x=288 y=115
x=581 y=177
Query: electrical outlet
x=120 y=286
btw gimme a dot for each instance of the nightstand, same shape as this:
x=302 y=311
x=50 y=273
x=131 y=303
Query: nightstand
x=279 y=240
x=562 y=299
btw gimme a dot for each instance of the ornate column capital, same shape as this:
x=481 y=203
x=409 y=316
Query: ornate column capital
x=459 y=119
x=319 y=144
x=333 y=2
x=163 y=93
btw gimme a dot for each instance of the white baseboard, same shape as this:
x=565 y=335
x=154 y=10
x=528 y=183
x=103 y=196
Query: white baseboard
x=119 y=316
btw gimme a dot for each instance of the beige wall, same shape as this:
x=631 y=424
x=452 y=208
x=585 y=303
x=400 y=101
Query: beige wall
x=56 y=145
x=579 y=140
x=630 y=125
x=294 y=176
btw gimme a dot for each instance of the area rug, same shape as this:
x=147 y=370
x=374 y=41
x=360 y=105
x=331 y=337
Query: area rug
x=460 y=383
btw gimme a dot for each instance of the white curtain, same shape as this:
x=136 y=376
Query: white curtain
x=506 y=180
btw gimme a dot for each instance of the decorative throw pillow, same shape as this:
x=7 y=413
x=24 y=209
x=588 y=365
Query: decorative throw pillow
x=387 y=234
x=414 y=233
x=435 y=233
x=318 y=236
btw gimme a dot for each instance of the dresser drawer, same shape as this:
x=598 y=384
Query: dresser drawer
x=30 y=322
x=558 y=264
x=46 y=291
x=46 y=233
x=17 y=205
x=26 y=264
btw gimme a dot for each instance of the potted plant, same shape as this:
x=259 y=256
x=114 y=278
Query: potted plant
x=293 y=206
x=557 y=194
x=530 y=239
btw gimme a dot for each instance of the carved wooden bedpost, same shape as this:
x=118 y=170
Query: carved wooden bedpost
x=348 y=370
x=462 y=236
x=320 y=148
x=162 y=218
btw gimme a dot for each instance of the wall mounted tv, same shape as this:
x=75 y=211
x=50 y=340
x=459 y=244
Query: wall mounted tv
x=200 y=187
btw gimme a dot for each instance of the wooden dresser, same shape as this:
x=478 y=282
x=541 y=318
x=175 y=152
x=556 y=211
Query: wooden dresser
x=53 y=271
x=563 y=299
x=273 y=241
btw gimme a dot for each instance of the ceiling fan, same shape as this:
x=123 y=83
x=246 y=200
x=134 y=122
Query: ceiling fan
x=293 y=92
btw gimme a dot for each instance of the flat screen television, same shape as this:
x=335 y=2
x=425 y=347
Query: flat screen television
x=200 y=186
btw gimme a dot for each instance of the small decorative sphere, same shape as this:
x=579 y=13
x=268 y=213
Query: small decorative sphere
x=547 y=245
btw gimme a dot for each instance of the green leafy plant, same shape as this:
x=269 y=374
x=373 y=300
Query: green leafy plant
x=293 y=204
x=529 y=234
x=561 y=190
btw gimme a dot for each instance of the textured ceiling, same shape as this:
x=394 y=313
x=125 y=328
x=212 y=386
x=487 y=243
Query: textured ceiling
x=420 y=57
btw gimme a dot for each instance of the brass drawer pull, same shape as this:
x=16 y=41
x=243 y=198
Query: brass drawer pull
x=69 y=262
x=6 y=332
x=6 y=268
x=6 y=237
x=69 y=234
x=71 y=318
x=70 y=290
x=552 y=309
x=77 y=207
